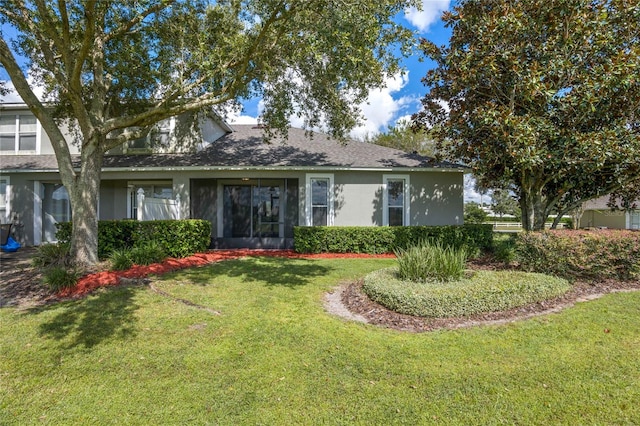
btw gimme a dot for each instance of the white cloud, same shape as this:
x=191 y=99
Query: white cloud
x=13 y=97
x=430 y=13
x=381 y=108
x=470 y=193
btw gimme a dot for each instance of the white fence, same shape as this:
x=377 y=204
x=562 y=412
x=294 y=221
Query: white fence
x=517 y=226
x=157 y=208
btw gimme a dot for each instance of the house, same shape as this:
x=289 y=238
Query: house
x=598 y=215
x=253 y=192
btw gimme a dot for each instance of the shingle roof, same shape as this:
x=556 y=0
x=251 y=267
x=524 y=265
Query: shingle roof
x=246 y=147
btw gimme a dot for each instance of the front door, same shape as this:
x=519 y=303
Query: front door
x=252 y=211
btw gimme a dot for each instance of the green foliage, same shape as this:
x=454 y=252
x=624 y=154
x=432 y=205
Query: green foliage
x=51 y=255
x=147 y=253
x=592 y=255
x=473 y=213
x=386 y=239
x=502 y=202
x=431 y=262
x=541 y=96
x=179 y=238
x=120 y=259
x=485 y=291
x=504 y=247
x=317 y=58
x=406 y=139
x=60 y=277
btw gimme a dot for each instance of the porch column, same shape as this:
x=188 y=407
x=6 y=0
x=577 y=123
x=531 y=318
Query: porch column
x=181 y=191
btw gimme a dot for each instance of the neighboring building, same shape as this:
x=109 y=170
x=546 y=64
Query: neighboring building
x=598 y=215
x=252 y=192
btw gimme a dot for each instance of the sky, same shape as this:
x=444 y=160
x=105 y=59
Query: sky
x=395 y=102
x=401 y=96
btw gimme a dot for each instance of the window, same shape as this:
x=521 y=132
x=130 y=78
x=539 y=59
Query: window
x=18 y=133
x=395 y=200
x=319 y=189
x=159 y=135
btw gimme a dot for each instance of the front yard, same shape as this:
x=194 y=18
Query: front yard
x=273 y=355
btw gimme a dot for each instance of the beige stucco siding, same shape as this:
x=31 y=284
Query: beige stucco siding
x=603 y=218
x=357 y=198
x=437 y=198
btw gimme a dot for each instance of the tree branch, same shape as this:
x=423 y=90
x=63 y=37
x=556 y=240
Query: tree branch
x=58 y=140
x=126 y=26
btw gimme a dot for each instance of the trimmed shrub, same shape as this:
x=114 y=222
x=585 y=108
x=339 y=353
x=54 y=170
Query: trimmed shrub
x=431 y=262
x=485 y=291
x=179 y=238
x=59 y=277
x=592 y=255
x=386 y=239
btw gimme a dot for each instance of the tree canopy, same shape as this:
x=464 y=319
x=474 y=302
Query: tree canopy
x=540 y=96
x=114 y=68
x=403 y=137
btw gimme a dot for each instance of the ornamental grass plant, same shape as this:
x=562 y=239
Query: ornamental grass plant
x=431 y=261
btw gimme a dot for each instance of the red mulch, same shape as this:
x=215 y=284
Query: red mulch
x=90 y=282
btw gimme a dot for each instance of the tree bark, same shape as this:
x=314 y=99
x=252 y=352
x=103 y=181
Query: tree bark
x=84 y=206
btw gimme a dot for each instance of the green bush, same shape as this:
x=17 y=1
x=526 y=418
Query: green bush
x=147 y=253
x=386 y=239
x=120 y=260
x=592 y=255
x=59 y=277
x=485 y=291
x=180 y=238
x=504 y=247
x=51 y=255
x=473 y=213
x=431 y=262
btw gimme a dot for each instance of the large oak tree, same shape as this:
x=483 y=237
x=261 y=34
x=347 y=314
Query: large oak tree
x=115 y=68
x=540 y=96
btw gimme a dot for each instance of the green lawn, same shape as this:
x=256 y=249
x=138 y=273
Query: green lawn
x=131 y=356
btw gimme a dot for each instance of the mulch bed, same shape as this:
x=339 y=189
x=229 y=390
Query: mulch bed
x=21 y=286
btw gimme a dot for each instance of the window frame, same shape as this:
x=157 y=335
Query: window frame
x=406 y=217
x=18 y=134
x=309 y=197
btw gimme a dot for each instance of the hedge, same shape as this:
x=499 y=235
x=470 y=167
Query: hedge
x=483 y=292
x=385 y=239
x=179 y=238
x=591 y=255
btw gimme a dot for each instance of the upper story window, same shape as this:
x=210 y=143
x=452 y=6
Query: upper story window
x=18 y=133
x=159 y=136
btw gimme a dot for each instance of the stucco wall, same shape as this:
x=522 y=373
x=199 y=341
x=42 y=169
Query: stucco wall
x=600 y=218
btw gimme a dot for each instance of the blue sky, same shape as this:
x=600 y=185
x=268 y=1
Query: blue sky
x=401 y=97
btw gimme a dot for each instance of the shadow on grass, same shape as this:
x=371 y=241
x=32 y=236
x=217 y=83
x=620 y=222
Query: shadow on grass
x=274 y=271
x=102 y=316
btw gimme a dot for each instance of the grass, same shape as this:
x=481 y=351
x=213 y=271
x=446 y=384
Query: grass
x=128 y=355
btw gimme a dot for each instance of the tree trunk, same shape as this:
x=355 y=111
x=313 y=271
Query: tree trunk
x=84 y=206
x=533 y=210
